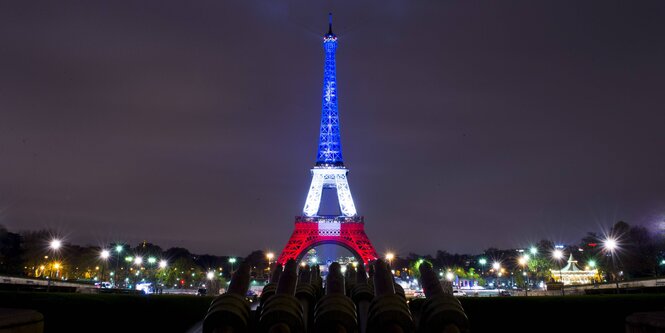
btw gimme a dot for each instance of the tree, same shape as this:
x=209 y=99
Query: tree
x=34 y=248
x=10 y=252
x=641 y=253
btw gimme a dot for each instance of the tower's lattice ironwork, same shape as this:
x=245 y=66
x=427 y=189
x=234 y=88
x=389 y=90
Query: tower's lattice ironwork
x=329 y=173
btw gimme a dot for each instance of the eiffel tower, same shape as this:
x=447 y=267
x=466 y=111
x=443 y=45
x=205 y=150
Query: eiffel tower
x=348 y=228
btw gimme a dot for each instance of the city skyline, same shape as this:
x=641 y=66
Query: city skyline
x=464 y=127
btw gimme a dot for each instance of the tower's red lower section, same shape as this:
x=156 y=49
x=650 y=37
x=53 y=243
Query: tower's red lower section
x=311 y=232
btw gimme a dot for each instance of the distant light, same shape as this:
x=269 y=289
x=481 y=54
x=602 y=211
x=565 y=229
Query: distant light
x=390 y=256
x=138 y=260
x=105 y=254
x=129 y=259
x=523 y=260
x=343 y=269
x=592 y=263
x=557 y=254
x=55 y=244
x=496 y=265
x=610 y=244
x=152 y=260
x=450 y=276
x=210 y=275
x=118 y=248
x=482 y=261
x=313 y=260
x=533 y=250
x=163 y=263
x=232 y=260
x=270 y=255
x=56 y=265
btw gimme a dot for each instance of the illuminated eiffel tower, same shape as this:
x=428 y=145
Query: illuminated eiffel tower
x=329 y=173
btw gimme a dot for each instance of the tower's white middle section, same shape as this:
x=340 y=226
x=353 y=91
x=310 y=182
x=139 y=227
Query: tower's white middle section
x=329 y=177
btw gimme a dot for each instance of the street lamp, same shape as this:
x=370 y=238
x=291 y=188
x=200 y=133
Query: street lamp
x=497 y=268
x=523 y=261
x=118 y=250
x=104 y=255
x=163 y=263
x=558 y=255
x=56 y=266
x=592 y=265
x=232 y=261
x=390 y=256
x=610 y=245
x=533 y=250
x=55 y=244
x=482 y=262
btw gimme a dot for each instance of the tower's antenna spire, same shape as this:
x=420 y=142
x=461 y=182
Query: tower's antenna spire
x=329 y=23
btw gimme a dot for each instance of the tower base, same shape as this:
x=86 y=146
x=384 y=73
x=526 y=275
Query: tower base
x=348 y=232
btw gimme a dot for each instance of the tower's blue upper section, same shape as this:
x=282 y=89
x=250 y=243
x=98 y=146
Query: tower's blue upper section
x=330 y=146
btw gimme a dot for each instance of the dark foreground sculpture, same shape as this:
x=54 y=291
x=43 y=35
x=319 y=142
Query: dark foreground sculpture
x=295 y=301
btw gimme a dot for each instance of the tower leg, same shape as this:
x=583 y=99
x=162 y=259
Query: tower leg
x=314 y=195
x=344 y=197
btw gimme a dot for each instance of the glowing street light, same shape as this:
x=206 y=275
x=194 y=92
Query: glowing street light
x=138 y=261
x=270 y=257
x=232 y=261
x=523 y=261
x=496 y=265
x=152 y=260
x=610 y=245
x=55 y=244
x=104 y=255
x=390 y=256
x=163 y=263
x=118 y=248
x=450 y=276
x=210 y=275
x=497 y=268
x=558 y=255
x=56 y=267
x=533 y=250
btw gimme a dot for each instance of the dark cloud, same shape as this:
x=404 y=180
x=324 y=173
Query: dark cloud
x=465 y=124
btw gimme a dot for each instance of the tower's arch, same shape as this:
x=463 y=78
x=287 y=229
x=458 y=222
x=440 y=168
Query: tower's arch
x=311 y=233
x=304 y=252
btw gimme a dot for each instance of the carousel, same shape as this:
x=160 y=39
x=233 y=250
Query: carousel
x=572 y=274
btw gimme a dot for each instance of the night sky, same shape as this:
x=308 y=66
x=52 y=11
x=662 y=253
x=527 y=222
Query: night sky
x=465 y=124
